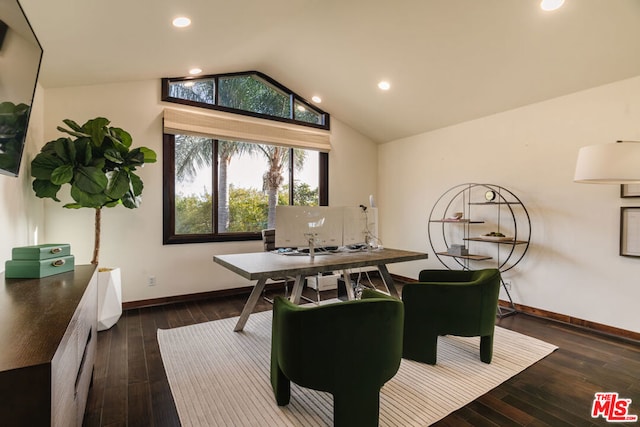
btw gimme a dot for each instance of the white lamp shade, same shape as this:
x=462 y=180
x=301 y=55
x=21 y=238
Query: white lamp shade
x=617 y=163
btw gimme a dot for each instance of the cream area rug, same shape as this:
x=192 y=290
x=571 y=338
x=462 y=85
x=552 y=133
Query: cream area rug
x=221 y=378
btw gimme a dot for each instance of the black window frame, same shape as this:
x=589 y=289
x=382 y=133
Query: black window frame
x=326 y=119
x=169 y=235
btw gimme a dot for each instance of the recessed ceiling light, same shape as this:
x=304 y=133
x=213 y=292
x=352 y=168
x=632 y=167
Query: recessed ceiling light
x=550 y=5
x=316 y=99
x=181 y=22
x=384 y=85
x=195 y=71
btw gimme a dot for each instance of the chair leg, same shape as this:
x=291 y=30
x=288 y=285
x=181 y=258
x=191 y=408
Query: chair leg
x=420 y=348
x=486 y=348
x=281 y=385
x=358 y=408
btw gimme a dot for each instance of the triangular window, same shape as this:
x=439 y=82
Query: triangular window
x=249 y=93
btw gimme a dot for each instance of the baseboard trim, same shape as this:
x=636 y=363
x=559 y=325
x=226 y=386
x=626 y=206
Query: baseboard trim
x=575 y=321
x=519 y=308
x=196 y=296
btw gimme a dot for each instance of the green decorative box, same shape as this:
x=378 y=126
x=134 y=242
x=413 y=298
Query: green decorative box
x=40 y=252
x=35 y=269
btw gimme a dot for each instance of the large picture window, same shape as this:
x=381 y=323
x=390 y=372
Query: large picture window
x=220 y=190
x=224 y=174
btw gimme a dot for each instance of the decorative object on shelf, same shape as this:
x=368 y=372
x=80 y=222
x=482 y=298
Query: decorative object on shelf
x=630 y=231
x=629 y=190
x=99 y=165
x=34 y=262
x=457 y=250
x=490 y=196
x=496 y=229
x=617 y=163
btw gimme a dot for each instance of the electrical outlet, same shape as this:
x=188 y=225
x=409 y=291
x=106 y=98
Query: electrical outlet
x=151 y=280
x=507 y=285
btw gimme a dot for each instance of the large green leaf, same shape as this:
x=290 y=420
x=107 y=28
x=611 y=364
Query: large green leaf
x=84 y=151
x=136 y=184
x=118 y=184
x=66 y=150
x=88 y=200
x=73 y=125
x=44 y=188
x=149 y=155
x=130 y=201
x=135 y=157
x=50 y=147
x=73 y=206
x=122 y=136
x=73 y=132
x=97 y=128
x=62 y=174
x=114 y=156
x=44 y=164
x=90 y=179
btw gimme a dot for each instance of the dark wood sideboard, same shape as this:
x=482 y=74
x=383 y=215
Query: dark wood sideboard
x=47 y=347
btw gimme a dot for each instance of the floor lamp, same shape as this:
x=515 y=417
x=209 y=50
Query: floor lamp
x=614 y=163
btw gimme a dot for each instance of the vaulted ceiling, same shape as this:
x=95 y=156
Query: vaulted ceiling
x=448 y=61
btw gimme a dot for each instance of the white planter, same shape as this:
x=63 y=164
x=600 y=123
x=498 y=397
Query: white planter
x=109 y=298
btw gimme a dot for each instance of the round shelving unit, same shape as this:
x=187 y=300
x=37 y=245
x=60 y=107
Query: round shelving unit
x=473 y=226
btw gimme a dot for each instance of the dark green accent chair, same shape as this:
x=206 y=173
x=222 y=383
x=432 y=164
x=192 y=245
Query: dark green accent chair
x=349 y=349
x=449 y=302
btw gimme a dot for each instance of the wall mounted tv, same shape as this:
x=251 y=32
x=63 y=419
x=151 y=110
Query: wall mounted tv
x=20 y=57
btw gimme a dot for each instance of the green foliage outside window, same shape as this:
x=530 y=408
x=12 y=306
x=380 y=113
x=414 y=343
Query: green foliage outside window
x=248 y=209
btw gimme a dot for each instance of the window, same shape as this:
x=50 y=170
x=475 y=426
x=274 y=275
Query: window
x=225 y=174
x=248 y=93
x=221 y=190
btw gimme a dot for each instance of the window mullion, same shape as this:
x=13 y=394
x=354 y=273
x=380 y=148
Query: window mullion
x=214 y=186
x=291 y=177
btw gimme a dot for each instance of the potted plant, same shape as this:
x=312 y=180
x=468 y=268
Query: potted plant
x=99 y=165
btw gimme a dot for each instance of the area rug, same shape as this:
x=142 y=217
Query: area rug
x=221 y=378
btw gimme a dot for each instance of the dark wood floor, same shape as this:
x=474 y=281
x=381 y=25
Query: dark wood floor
x=130 y=386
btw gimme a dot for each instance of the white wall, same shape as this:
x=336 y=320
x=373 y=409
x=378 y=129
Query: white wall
x=21 y=214
x=132 y=239
x=573 y=266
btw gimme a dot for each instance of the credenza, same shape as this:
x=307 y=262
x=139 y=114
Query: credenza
x=47 y=347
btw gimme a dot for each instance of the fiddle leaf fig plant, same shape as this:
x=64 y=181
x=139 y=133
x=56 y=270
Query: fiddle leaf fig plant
x=99 y=165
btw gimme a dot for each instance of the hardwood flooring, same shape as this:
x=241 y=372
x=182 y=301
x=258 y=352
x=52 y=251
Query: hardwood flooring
x=130 y=386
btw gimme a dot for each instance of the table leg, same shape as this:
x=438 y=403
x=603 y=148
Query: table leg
x=347 y=285
x=388 y=281
x=250 y=304
x=296 y=292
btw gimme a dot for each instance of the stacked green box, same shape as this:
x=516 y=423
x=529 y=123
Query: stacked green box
x=33 y=262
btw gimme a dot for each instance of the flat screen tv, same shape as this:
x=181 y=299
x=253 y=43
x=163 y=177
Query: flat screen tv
x=20 y=58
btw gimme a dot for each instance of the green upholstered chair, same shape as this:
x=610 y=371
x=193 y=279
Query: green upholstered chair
x=449 y=302
x=349 y=349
